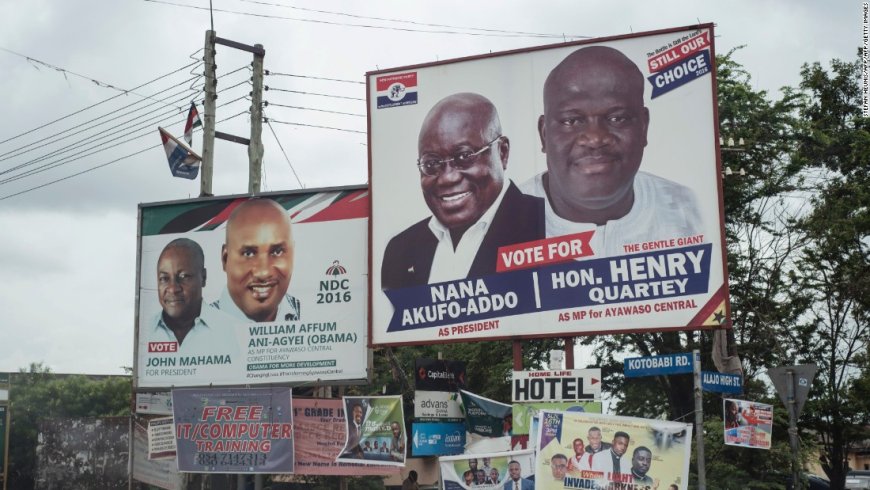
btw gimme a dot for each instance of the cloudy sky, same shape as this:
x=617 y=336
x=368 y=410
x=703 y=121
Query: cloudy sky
x=69 y=189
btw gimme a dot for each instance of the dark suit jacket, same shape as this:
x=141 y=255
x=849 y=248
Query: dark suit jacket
x=408 y=257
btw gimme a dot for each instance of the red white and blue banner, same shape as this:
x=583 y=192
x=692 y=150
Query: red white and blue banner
x=234 y=430
x=279 y=296
x=193 y=121
x=183 y=162
x=748 y=424
x=501 y=231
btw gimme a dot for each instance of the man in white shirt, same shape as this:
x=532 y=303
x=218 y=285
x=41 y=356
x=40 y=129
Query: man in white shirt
x=613 y=463
x=462 y=156
x=594 y=131
x=197 y=328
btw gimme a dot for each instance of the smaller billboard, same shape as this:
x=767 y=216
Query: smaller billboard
x=436 y=405
x=489 y=471
x=748 y=424
x=157 y=473
x=525 y=414
x=437 y=438
x=556 y=386
x=234 y=430
x=154 y=403
x=375 y=430
x=161 y=438
x=438 y=375
x=584 y=450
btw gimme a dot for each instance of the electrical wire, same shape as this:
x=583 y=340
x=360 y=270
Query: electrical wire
x=92 y=105
x=425 y=24
x=279 y=74
x=25 y=191
x=312 y=93
x=317 y=126
x=313 y=109
x=268 y=123
x=367 y=26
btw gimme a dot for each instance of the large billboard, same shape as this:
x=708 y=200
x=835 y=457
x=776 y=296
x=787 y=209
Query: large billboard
x=568 y=189
x=245 y=291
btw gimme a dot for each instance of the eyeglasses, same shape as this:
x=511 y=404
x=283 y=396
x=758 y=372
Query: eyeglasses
x=432 y=166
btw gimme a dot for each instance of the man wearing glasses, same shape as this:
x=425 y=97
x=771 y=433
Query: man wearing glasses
x=462 y=158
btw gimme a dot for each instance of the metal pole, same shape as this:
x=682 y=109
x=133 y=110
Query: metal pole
x=699 y=420
x=208 y=116
x=792 y=428
x=255 y=148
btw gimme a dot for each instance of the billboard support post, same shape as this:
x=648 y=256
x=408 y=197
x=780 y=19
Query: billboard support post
x=792 y=427
x=699 y=418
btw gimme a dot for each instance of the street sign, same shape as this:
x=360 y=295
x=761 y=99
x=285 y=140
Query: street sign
x=556 y=385
x=803 y=381
x=721 y=382
x=634 y=367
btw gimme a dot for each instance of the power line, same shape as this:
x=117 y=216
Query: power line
x=312 y=93
x=313 y=109
x=344 y=14
x=92 y=105
x=367 y=26
x=316 y=126
x=278 y=74
x=3 y=198
x=285 y=154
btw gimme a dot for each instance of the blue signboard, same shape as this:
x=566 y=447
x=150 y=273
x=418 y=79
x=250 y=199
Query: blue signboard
x=437 y=438
x=634 y=367
x=721 y=382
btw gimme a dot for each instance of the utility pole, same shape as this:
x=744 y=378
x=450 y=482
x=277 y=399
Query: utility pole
x=208 y=123
x=699 y=419
x=255 y=148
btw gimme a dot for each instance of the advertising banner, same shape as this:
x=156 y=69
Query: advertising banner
x=748 y=424
x=375 y=430
x=584 y=450
x=438 y=375
x=580 y=194
x=437 y=438
x=489 y=423
x=492 y=471
x=525 y=414
x=234 y=430
x=242 y=291
x=161 y=438
x=154 y=403
x=158 y=473
x=437 y=405
x=556 y=386
x=321 y=431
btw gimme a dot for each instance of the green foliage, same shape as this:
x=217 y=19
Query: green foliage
x=36 y=393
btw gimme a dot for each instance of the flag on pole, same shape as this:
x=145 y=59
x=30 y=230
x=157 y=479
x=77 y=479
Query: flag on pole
x=193 y=121
x=183 y=162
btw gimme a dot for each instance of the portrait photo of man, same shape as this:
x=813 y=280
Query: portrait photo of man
x=353 y=448
x=397 y=442
x=559 y=466
x=462 y=158
x=257 y=257
x=593 y=132
x=515 y=480
x=184 y=318
x=641 y=460
x=614 y=462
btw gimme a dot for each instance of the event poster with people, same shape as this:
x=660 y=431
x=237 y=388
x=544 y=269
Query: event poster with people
x=513 y=470
x=748 y=424
x=563 y=189
x=375 y=431
x=585 y=450
x=253 y=290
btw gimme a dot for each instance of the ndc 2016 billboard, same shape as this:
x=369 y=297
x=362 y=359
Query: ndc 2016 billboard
x=566 y=189
x=245 y=291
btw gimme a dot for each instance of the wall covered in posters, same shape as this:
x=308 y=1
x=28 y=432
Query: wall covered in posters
x=578 y=194
x=245 y=291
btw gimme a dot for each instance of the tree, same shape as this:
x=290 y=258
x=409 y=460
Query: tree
x=37 y=393
x=835 y=332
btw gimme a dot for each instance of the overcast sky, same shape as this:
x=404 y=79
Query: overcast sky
x=67 y=253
